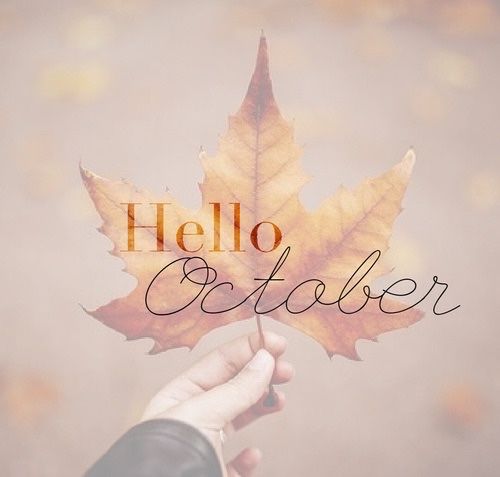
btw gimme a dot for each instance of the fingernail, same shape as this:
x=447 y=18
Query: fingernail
x=260 y=361
x=280 y=342
x=257 y=453
x=275 y=338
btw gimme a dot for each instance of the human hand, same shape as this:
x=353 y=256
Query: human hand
x=225 y=391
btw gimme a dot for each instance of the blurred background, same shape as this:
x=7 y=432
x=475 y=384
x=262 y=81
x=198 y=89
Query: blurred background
x=133 y=89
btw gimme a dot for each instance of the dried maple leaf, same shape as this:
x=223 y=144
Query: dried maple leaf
x=257 y=166
x=27 y=398
x=462 y=406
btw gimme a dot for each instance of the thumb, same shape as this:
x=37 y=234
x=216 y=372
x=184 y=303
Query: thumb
x=223 y=403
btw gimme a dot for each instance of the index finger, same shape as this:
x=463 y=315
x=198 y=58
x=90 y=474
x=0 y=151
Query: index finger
x=214 y=369
x=229 y=359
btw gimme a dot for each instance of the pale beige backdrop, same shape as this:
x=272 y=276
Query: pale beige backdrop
x=133 y=89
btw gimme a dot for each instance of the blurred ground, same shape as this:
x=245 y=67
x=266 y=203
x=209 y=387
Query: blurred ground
x=132 y=89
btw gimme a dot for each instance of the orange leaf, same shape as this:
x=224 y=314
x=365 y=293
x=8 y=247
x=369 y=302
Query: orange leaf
x=256 y=177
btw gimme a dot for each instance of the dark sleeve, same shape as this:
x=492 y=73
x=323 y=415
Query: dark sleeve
x=159 y=448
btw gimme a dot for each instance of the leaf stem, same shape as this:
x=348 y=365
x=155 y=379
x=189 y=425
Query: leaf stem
x=271 y=398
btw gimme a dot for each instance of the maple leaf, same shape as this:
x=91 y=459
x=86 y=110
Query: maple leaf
x=257 y=166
